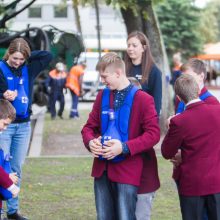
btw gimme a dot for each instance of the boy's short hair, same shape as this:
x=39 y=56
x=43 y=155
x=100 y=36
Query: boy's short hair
x=186 y=88
x=7 y=110
x=197 y=66
x=110 y=59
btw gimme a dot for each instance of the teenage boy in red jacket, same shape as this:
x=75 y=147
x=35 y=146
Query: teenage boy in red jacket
x=7 y=181
x=116 y=184
x=197 y=69
x=196 y=133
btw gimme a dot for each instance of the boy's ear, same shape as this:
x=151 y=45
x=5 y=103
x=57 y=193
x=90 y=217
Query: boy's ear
x=203 y=76
x=179 y=98
x=118 y=72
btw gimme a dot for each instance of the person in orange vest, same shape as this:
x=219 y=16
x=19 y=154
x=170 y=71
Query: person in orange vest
x=74 y=82
x=56 y=83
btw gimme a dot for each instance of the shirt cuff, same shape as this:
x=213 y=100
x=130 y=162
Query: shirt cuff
x=125 y=149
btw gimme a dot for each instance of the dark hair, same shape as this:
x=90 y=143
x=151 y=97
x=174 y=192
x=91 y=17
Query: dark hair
x=18 y=45
x=197 y=66
x=147 y=58
x=186 y=88
x=7 y=110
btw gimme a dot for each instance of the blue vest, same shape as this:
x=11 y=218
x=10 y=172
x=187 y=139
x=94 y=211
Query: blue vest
x=122 y=115
x=13 y=84
x=181 y=106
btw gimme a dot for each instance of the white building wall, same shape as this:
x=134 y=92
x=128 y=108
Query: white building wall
x=113 y=31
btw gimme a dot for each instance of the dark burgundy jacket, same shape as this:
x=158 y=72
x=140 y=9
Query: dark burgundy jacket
x=196 y=131
x=212 y=100
x=144 y=133
x=5 y=181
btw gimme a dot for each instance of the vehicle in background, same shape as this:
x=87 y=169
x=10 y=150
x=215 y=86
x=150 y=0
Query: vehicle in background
x=91 y=83
x=66 y=47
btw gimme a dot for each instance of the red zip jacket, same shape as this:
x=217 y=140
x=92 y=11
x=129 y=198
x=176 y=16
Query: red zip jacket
x=144 y=133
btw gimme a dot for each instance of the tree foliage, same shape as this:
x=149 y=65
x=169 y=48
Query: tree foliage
x=210 y=22
x=179 y=22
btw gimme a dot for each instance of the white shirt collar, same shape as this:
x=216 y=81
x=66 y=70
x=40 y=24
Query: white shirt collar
x=193 y=101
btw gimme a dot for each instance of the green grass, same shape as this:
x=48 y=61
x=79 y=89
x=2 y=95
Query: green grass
x=65 y=126
x=61 y=188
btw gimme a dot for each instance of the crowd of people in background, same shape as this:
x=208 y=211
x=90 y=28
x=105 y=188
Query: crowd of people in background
x=125 y=171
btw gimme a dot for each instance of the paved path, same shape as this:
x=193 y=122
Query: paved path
x=64 y=144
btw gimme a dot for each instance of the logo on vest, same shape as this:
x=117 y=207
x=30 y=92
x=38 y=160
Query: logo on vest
x=24 y=99
x=139 y=77
x=107 y=138
x=105 y=112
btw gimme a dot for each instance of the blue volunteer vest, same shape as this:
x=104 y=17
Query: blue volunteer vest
x=122 y=115
x=181 y=106
x=13 y=84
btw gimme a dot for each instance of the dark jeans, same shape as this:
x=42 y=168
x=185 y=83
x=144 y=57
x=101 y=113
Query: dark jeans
x=205 y=216
x=114 y=201
x=56 y=96
x=74 y=109
x=193 y=207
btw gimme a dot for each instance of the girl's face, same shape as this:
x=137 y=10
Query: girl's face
x=135 y=50
x=16 y=60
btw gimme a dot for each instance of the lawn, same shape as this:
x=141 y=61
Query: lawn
x=61 y=188
x=57 y=188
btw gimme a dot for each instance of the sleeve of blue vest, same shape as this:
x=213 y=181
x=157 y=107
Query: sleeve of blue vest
x=125 y=149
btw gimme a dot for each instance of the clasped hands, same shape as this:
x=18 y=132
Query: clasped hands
x=109 y=150
x=10 y=95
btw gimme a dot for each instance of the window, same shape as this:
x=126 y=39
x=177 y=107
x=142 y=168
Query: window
x=60 y=11
x=34 y=12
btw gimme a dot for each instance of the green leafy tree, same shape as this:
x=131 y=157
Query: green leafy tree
x=179 y=23
x=210 y=22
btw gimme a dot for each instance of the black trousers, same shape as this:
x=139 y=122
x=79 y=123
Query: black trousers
x=193 y=207
x=56 y=96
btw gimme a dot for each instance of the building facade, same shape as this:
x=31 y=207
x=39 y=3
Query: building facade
x=61 y=16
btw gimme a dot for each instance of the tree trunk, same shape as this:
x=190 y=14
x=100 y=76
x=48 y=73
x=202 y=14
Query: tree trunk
x=77 y=16
x=152 y=30
x=150 y=27
x=98 y=27
x=132 y=22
